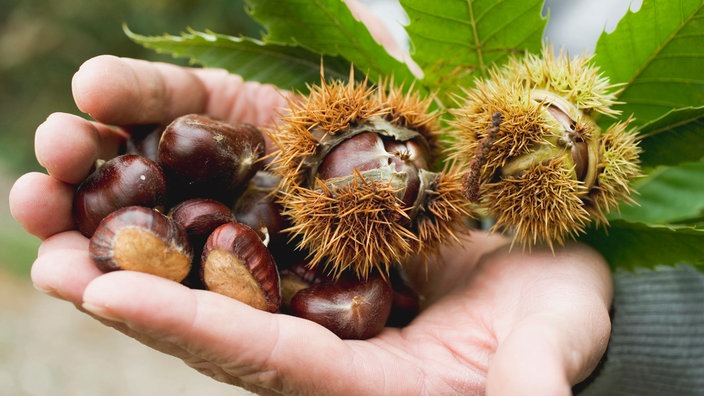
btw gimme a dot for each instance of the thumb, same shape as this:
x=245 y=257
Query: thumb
x=240 y=344
x=541 y=356
x=529 y=362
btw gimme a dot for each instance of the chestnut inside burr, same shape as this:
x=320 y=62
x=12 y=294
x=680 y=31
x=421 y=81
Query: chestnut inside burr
x=579 y=149
x=368 y=151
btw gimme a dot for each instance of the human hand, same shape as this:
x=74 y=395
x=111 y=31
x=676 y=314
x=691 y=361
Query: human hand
x=493 y=320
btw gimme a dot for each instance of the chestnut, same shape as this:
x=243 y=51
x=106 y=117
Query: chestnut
x=298 y=276
x=141 y=239
x=351 y=308
x=257 y=206
x=369 y=151
x=199 y=217
x=144 y=140
x=236 y=263
x=206 y=158
x=406 y=300
x=125 y=180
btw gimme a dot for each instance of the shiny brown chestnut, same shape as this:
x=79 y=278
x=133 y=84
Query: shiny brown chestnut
x=349 y=307
x=141 y=239
x=406 y=300
x=206 y=158
x=296 y=277
x=236 y=263
x=125 y=180
x=369 y=151
x=144 y=140
x=257 y=206
x=199 y=217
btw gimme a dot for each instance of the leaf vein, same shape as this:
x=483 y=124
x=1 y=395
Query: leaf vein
x=662 y=46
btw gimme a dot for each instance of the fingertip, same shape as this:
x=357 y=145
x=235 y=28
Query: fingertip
x=97 y=77
x=144 y=301
x=41 y=204
x=529 y=362
x=66 y=146
x=73 y=240
x=64 y=273
x=124 y=91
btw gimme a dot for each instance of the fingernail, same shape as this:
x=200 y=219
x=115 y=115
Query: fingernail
x=47 y=291
x=102 y=311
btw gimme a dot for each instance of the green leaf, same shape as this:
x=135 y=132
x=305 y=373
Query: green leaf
x=453 y=41
x=674 y=138
x=327 y=27
x=285 y=66
x=658 y=53
x=668 y=195
x=629 y=246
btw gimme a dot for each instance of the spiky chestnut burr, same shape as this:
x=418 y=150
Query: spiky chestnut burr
x=536 y=161
x=357 y=185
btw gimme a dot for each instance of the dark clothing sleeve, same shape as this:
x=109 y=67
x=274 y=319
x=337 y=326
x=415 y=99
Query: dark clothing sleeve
x=657 y=340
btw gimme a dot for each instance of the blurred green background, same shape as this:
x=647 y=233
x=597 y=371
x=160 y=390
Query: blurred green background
x=43 y=42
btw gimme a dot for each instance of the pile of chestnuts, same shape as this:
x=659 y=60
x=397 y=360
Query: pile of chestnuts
x=192 y=202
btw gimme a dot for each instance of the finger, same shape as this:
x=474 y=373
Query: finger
x=41 y=204
x=208 y=325
x=230 y=98
x=203 y=366
x=529 y=362
x=553 y=316
x=68 y=146
x=120 y=91
x=72 y=240
x=64 y=273
x=273 y=351
x=123 y=91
